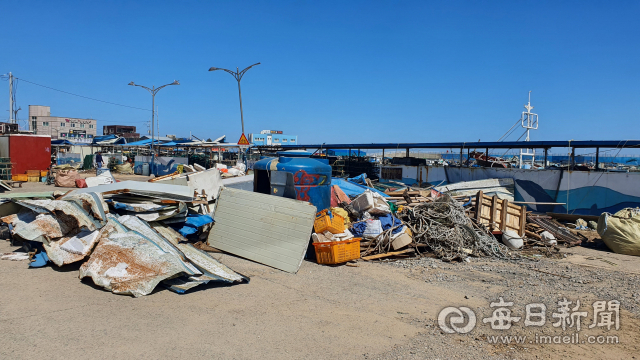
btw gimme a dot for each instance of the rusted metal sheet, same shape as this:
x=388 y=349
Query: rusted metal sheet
x=135 y=224
x=28 y=225
x=67 y=212
x=93 y=203
x=129 y=263
x=70 y=249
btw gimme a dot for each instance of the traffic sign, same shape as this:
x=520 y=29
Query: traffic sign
x=243 y=140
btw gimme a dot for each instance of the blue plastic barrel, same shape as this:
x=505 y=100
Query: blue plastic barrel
x=312 y=177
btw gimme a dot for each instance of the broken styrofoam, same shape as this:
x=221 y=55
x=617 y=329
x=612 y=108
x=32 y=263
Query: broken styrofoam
x=371 y=202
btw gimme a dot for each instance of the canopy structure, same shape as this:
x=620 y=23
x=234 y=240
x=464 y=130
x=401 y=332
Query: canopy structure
x=144 y=142
x=61 y=142
x=109 y=140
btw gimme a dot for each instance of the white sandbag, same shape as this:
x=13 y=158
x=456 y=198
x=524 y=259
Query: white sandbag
x=512 y=239
x=548 y=238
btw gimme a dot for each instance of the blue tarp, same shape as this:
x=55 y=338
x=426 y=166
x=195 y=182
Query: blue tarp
x=144 y=142
x=61 y=142
x=99 y=139
x=358 y=179
x=353 y=189
x=194 y=221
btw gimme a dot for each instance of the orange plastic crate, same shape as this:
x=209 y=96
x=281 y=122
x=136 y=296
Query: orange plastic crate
x=337 y=252
x=324 y=222
x=20 y=177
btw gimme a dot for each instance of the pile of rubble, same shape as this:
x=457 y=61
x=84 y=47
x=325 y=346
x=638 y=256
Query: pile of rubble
x=129 y=236
x=451 y=222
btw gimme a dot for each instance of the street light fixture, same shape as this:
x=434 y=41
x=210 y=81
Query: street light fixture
x=238 y=76
x=153 y=92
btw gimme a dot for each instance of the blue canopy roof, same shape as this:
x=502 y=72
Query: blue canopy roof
x=61 y=142
x=111 y=139
x=143 y=142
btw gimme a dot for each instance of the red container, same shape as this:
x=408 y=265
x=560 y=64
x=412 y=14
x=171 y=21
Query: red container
x=27 y=152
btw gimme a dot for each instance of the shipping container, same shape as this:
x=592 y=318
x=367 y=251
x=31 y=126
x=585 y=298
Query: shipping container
x=27 y=152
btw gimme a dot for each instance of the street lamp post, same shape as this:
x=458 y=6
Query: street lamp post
x=238 y=76
x=153 y=91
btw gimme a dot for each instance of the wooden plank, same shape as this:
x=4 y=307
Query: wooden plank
x=573 y=218
x=533 y=235
x=479 y=205
x=523 y=219
x=391 y=253
x=494 y=211
x=504 y=214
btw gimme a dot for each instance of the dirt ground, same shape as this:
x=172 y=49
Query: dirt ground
x=371 y=310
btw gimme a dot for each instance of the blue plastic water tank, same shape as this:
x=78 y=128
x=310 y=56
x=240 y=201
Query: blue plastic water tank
x=312 y=177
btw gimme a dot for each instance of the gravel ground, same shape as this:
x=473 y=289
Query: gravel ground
x=545 y=281
x=371 y=310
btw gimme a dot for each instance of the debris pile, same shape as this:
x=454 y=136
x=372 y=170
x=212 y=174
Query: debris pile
x=445 y=228
x=129 y=236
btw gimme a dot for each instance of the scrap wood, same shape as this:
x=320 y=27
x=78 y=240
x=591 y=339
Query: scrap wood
x=391 y=253
x=532 y=234
x=164 y=177
x=203 y=246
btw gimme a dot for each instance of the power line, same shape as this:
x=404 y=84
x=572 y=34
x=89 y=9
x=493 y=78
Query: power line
x=84 y=97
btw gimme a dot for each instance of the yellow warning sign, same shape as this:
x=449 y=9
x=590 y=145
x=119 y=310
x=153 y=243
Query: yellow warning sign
x=243 y=140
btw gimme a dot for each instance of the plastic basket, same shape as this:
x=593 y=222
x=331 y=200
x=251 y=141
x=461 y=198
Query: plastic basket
x=337 y=252
x=324 y=222
x=20 y=177
x=33 y=178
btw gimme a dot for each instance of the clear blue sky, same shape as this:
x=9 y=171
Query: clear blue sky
x=334 y=71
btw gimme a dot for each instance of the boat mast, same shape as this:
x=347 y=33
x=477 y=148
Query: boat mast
x=528 y=121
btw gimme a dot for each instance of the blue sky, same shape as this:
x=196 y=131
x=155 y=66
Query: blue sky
x=334 y=71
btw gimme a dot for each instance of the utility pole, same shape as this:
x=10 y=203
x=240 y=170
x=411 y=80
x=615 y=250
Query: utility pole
x=10 y=98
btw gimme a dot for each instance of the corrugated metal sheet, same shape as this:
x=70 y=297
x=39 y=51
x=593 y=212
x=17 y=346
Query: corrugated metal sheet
x=129 y=264
x=267 y=229
x=135 y=224
x=165 y=191
x=70 y=249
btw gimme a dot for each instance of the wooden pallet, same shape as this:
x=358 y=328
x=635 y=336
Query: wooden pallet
x=499 y=214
